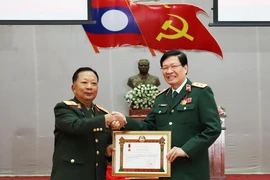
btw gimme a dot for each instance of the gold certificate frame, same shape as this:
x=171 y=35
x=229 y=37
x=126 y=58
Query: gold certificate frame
x=141 y=153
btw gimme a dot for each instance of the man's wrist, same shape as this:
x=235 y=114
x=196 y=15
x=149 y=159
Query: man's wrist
x=186 y=155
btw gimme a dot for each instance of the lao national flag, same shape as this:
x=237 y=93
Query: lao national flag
x=174 y=26
x=115 y=25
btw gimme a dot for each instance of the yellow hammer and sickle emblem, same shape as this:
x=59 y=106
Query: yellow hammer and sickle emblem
x=179 y=33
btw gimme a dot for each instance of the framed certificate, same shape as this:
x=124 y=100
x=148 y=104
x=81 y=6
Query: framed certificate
x=141 y=153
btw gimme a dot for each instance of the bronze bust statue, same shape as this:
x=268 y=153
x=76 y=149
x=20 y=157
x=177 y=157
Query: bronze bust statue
x=143 y=77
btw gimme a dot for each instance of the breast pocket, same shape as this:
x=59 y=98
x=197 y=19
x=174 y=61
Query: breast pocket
x=186 y=107
x=73 y=160
x=160 y=115
x=186 y=113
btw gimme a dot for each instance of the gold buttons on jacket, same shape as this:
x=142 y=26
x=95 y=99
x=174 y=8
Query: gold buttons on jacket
x=72 y=161
x=97 y=129
x=185 y=108
x=97 y=152
x=97 y=164
x=172 y=110
x=170 y=123
x=96 y=140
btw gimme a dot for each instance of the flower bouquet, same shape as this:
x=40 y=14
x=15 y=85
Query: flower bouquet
x=222 y=111
x=142 y=97
x=222 y=114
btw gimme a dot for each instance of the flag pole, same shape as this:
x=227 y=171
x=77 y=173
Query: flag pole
x=150 y=49
x=95 y=48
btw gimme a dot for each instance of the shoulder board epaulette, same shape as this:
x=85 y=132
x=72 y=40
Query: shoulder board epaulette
x=70 y=103
x=101 y=109
x=162 y=92
x=199 y=85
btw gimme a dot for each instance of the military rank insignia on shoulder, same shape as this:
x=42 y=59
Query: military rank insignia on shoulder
x=70 y=103
x=99 y=108
x=199 y=85
x=162 y=92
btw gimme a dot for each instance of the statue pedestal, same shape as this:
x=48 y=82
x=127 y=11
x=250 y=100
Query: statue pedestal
x=139 y=112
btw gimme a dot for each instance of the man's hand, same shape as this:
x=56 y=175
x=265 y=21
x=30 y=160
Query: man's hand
x=116 y=125
x=109 y=150
x=115 y=116
x=174 y=153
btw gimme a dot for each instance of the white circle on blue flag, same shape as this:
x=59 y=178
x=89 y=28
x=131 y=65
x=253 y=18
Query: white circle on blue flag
x=114 y=20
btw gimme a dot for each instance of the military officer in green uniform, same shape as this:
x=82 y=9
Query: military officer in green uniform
x=187 y=109
x=82 y=134
x=143 y=77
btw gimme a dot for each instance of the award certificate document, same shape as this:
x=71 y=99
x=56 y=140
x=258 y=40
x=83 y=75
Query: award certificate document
x=141 y=153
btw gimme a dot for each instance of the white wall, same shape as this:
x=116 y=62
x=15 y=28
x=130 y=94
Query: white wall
x=37 y=63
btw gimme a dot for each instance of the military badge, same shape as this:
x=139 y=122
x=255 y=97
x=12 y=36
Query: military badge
x=189 y=100
x=186 y=100
x=183 y=102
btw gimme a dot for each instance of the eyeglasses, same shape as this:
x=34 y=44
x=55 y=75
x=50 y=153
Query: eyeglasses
x=173 y=67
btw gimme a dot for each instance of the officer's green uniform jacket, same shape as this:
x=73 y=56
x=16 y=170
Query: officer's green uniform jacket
x=194 y=123
x=80 y=142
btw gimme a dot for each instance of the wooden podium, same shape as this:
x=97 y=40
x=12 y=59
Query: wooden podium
x=216 y=155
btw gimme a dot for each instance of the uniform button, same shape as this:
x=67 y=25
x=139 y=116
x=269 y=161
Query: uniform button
x=185 y=108
x=72 y=161
x=170 y=123
x=97 y=129
x=97 y=152
x=97 y=164
x=100 y=129
x=172 y=110
x=159 y=111
x=94 y=130
x=96 y=140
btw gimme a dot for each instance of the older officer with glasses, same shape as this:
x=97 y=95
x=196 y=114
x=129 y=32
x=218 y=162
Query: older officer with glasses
x=187 y=109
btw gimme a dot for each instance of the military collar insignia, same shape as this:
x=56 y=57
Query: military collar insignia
x=168 y=91
x=99 y=108
x=163 y=92
x=188 y=87
x=79 y=106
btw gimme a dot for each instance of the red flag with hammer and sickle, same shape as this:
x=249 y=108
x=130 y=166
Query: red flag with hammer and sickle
x=159 y=27
x=174 y=26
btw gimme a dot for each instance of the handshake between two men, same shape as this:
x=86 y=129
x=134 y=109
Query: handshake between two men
x=115 y=120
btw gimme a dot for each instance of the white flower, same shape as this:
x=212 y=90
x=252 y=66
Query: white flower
x=142 y=96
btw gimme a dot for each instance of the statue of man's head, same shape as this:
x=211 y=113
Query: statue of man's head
x=143 y=66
